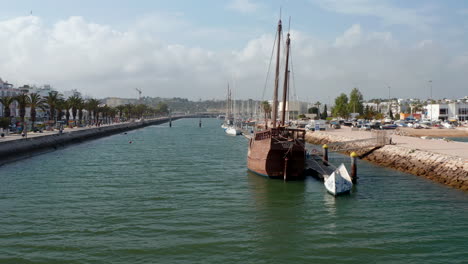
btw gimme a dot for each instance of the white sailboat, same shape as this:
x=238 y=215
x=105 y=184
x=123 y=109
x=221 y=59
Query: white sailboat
x=228 y=117
x=339 y=181
x=230 y=125
x=233 y=131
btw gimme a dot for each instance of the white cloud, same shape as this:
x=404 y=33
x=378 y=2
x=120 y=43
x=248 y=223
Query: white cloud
x=102 y=61
x=417 y=18
x=243 y=6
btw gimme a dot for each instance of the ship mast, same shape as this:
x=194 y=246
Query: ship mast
x=275 y=94
x=286 y=81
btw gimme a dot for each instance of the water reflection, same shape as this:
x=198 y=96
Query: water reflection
x=280 y=208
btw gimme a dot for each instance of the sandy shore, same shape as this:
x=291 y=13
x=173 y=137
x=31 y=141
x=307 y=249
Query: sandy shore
x=451 y=148
x=433 y=132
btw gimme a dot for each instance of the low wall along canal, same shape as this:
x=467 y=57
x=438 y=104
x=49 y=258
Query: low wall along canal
x=16 y=149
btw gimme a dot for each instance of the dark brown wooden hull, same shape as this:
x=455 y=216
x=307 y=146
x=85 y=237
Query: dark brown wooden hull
x=270 y=156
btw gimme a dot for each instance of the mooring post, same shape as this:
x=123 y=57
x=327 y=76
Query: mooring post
x=285 y=172
x=199 y=123
x=354 y=167
x=325 y=154
x=170 y=122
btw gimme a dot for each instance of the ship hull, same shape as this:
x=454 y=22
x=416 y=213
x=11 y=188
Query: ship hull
x=278 y=159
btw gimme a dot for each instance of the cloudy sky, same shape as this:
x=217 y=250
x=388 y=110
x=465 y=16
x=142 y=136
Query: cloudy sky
x=192 y=49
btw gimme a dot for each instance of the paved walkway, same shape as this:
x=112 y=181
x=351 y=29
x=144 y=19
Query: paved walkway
x=453 y=148
x=46 y=133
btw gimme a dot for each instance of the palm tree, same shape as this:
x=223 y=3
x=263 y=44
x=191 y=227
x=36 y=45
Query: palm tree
x=266 y=107
x=113 y=113
x=105 y=113
x=74 y=102
x=92 y=105
x=60 y=105
x=52 y=100
x=66 y=106
x=23 y=102
x=6 y=101
x=121 y=109
x=80 y=106
x=35 y=101
x=128 y=111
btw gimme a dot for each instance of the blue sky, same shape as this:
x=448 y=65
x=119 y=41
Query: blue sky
x=340 y=44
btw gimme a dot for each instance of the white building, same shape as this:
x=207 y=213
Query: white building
x=293 y=109
x=6 y=89
x=448 y=111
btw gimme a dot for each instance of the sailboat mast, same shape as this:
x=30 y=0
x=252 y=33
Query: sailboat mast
x=275 y=94
x=286 y=81
x=230 y=104
x=226 y=118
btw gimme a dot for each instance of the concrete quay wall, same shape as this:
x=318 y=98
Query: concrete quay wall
x=446 y=169
x=15 y=149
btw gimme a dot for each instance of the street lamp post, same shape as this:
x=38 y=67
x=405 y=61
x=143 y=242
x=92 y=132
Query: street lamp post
x=389 y=104
x=430 y=86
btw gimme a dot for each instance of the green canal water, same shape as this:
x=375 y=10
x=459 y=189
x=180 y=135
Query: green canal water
x=461 y=139
x=183 y=195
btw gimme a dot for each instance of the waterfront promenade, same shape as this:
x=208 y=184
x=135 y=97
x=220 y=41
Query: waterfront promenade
x=18 y=136
x=451 y=148
x=13 y=147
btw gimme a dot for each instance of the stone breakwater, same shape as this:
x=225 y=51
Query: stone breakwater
x=446 y=169
x=17 y=149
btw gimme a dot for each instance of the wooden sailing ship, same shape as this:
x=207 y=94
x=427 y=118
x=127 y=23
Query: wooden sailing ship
x=278 y=151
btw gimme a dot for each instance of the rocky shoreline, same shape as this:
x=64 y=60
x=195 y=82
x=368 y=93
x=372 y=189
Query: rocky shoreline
x=446 y=169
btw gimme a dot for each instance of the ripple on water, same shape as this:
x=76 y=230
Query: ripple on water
x=182 y=195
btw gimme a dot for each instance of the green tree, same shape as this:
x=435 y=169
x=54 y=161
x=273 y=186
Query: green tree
x=355 y=102
x=4 y=122
x=75 y=102
x=266 y=107
x=313 y=110
x=36 y=101
x=66 y=107
x=92 y=106
x=23 y=102
x=325 y=112
x=162 y=108
x=6 y=101
x=128 y=111
x=121 y=109
x=61 y=105
x=80 y=106
x=52 y=100
x=318 y=104
x=341 y=106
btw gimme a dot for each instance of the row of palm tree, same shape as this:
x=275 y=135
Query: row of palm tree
x=59 y=108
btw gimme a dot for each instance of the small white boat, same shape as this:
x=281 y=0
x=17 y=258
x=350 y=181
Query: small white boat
x=447 y=125
x=233 y=131
x=339 y=181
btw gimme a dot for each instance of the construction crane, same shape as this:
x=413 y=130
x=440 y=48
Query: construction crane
x=139 y=94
